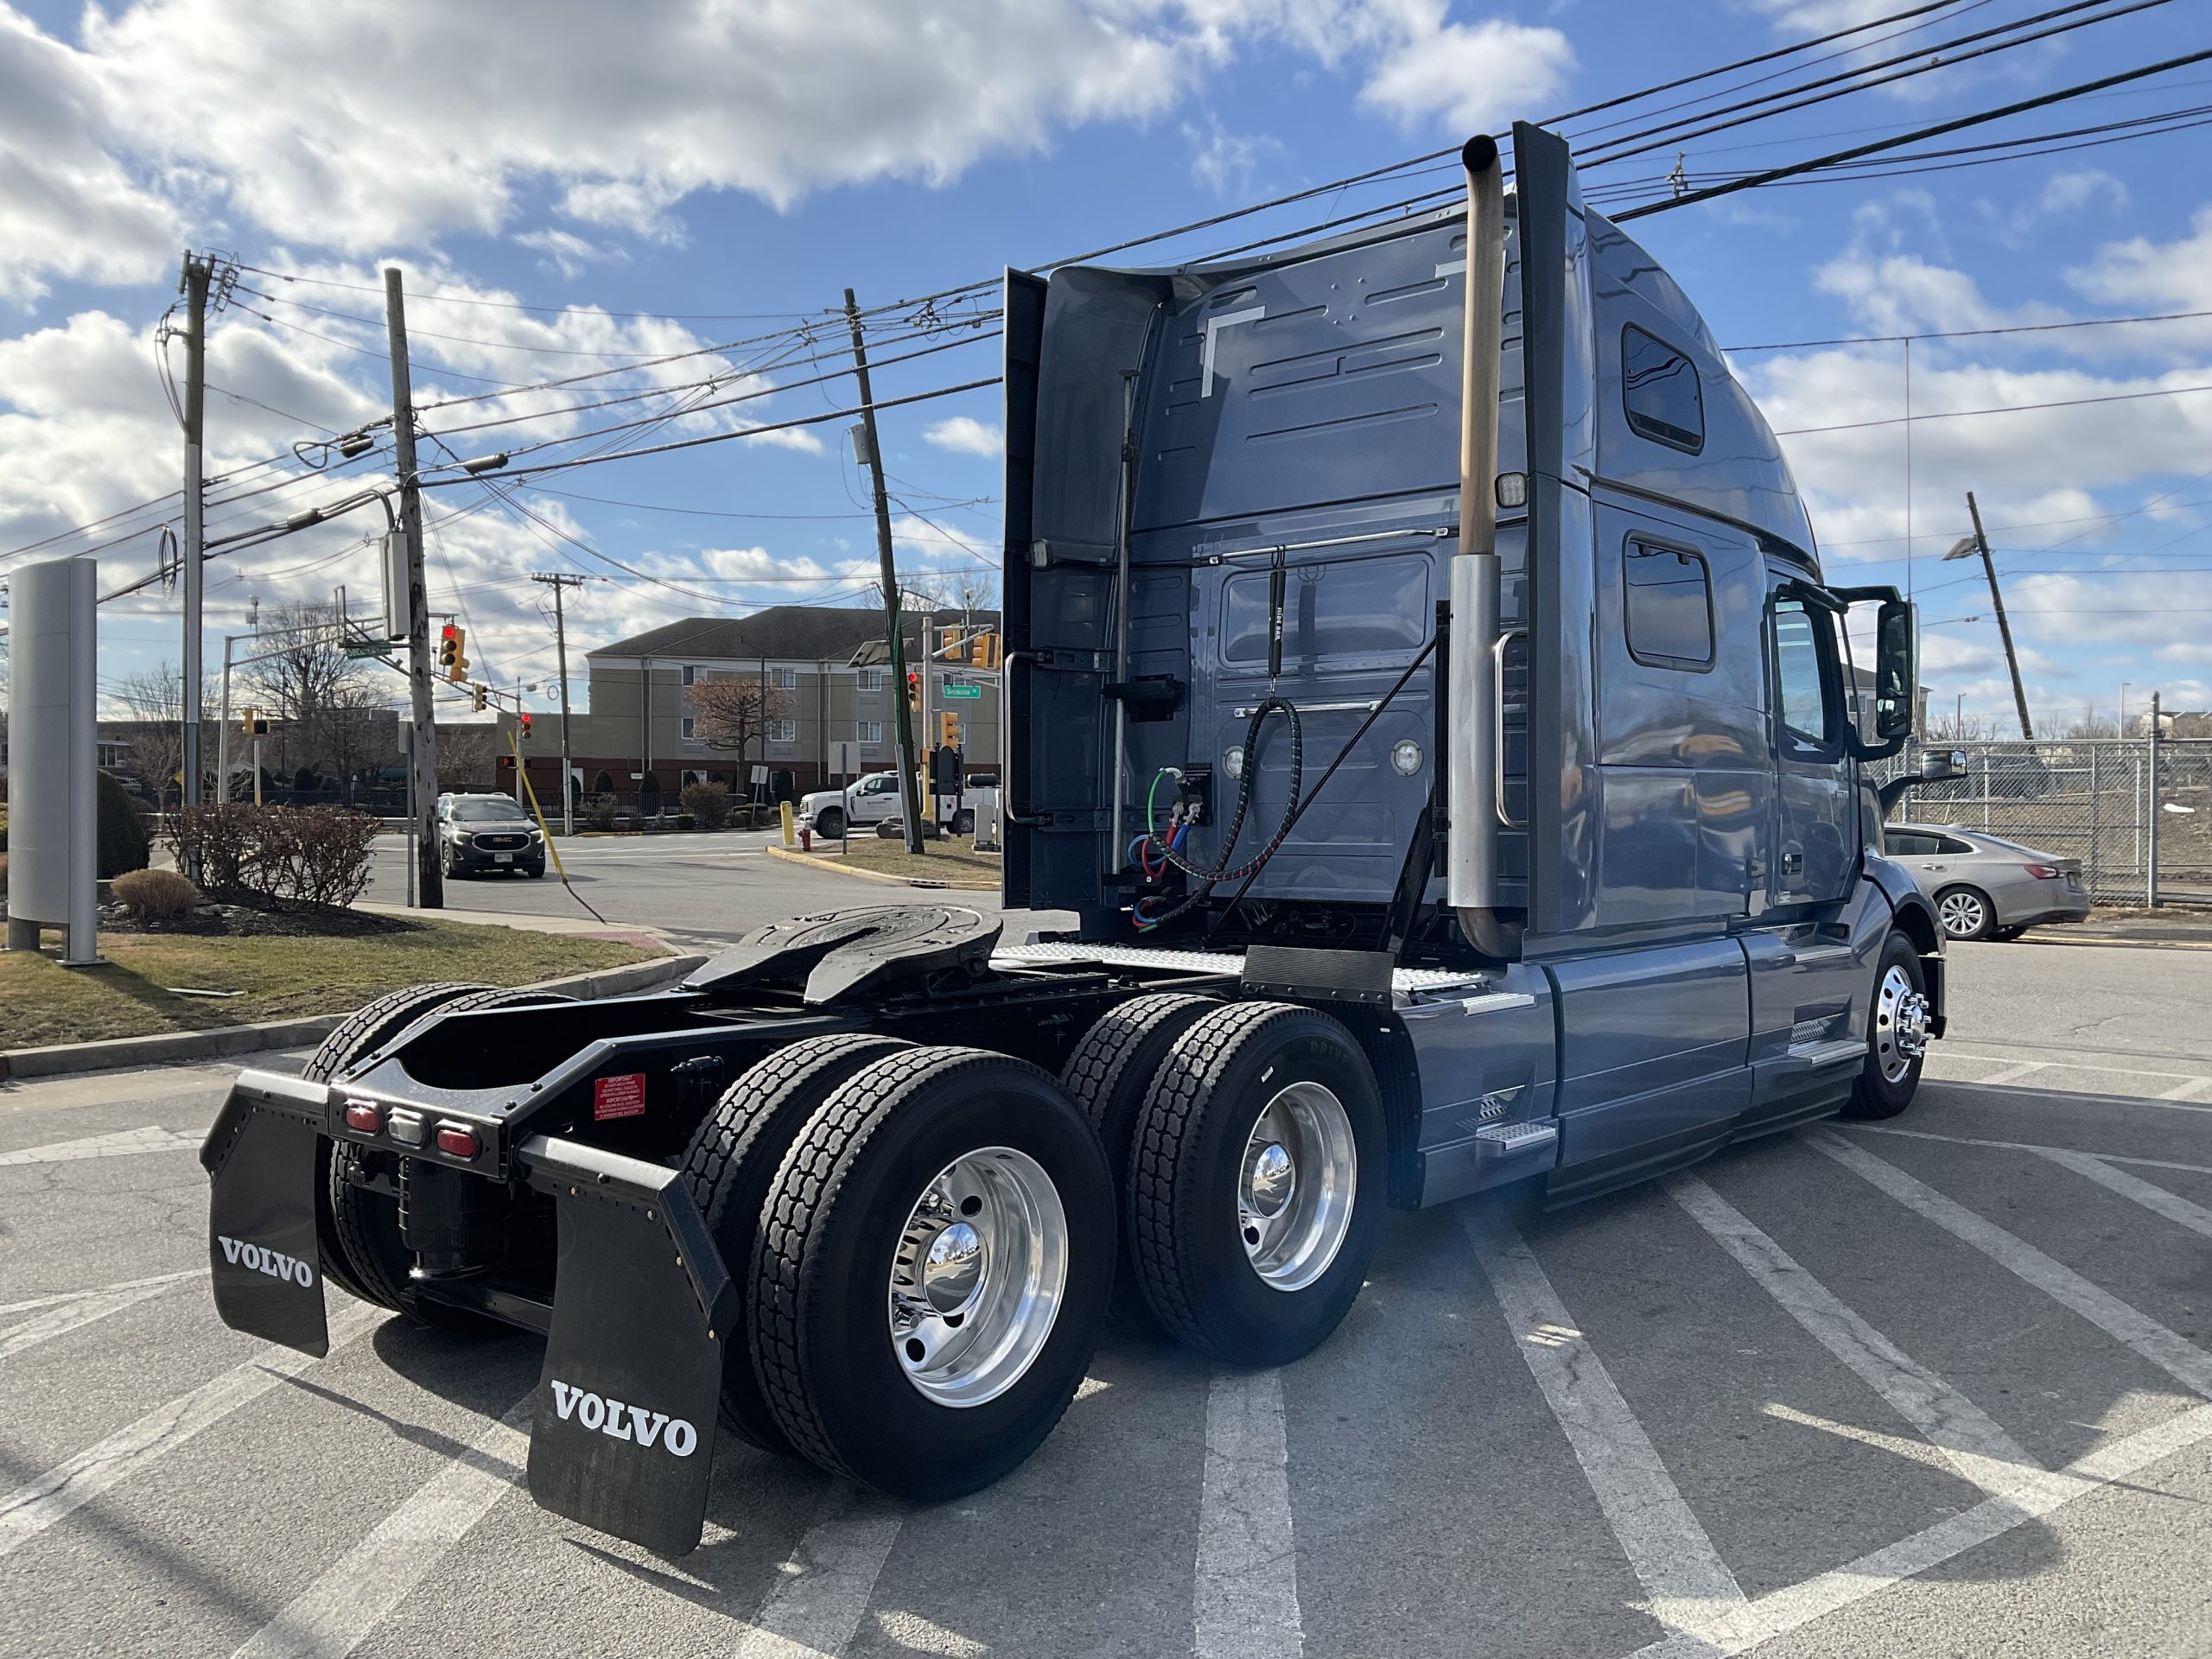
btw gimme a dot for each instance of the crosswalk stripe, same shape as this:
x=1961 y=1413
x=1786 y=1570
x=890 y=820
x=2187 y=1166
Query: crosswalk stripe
x=1693 y=1592
x=2157 y=1199
x=68 y=1486
x=2181 y=1360
x=825 y=1586
x=1244 y=1597
x=1974 y=1443
x=340 y=1611
x=77 y=1312
x=123 y=1143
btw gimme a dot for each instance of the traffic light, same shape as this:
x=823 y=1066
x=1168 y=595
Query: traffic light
x=450 y=655
x=522 y=727
x=947 y=729
x=481 y=691
x=914 y=690
x=254 y=724
x=951 y=638
x=983 y=651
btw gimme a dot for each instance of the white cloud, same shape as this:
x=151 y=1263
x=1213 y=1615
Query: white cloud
x=1464 y=77
x=967 y=435
x=568 y=253
x=1225 y=161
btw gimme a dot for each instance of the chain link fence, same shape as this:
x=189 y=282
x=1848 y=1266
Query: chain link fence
x=2136 y=811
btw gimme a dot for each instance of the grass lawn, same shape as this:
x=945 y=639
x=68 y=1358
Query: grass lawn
x=954 y=861
x=42 y=1001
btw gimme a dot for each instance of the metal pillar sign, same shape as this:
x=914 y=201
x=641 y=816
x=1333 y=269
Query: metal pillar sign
x=52 y=831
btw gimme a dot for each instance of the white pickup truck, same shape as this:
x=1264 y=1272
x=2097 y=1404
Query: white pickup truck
x=873 y=798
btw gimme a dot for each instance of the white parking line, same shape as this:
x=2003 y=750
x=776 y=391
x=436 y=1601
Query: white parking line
x=123 y=1143
x=2181 y=1360
x=2010 y=1073
x=2029 y=1145
x=825 y=1586
x=2188 y=1090
x=1244 y=1599
x=60 y=1297
x=78 y=1311
x=336 y=1614
x=1693 y=1592
x=1975 y=1446
x=67 y=1487
x=1816 y=1598
x=2157 y=1199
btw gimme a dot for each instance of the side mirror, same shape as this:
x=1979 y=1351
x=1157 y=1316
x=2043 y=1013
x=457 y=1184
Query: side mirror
x=1938 y=764
x=1895 y=676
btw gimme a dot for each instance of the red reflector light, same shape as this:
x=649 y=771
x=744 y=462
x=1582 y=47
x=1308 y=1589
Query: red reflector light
x=365 y=1117
x=2043 y=872
x=455 y=1140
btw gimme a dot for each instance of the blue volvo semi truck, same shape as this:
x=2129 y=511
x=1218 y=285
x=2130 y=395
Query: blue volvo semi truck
x=1422 y=688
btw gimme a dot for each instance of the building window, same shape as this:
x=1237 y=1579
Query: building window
x=783 y=731
x=868 y=731
x=784 y=679
x=690 y=729
x=690 y=673
x=869 y=679
x=1660 y=390
x=1668 y=602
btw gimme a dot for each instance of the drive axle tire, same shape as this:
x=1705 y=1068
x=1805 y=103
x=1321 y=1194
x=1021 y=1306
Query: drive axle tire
x=1257 y=1182
x=932 y=1268
x=732 y=1164
x=1108 y=1076
x=1896 y=1034
x=353 y=1040
x=365 y=1222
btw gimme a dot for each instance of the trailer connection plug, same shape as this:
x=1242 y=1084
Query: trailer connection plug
x=1186 y=811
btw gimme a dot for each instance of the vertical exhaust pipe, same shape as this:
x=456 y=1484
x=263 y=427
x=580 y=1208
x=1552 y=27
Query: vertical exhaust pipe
x=1471 y=866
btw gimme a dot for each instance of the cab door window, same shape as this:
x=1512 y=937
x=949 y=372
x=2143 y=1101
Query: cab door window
x=1801 y=674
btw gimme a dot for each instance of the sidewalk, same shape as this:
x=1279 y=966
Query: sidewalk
x=578 y=926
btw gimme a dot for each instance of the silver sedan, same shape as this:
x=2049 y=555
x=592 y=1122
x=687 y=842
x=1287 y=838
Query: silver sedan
x=1983 y=887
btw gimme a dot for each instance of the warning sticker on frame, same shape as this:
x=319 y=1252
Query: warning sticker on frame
x=622 y=1097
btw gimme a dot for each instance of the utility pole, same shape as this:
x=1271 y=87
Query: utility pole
x=894 y=620
x=197 y=270
x=421 y=755
x=557 y=581
x=2004 y=628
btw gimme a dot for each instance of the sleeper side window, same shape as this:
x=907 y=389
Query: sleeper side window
x=1659 y=392
x=1798 y=673
x=1667 y=607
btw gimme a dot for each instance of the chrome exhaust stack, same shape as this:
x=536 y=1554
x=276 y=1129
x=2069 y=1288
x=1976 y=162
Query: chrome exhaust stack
x=1471 y=866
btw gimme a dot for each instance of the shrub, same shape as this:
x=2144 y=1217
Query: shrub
x=598 y=810
x=156 y=895
x=708 y=804
x=122 y=833
x=315 y=856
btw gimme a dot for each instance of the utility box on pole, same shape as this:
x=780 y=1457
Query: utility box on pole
x=53 y=832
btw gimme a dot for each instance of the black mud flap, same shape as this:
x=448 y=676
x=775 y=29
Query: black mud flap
x=623 y=1437
x=261 y=1230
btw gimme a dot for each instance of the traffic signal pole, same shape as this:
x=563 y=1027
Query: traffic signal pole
x=423 y=759
x=894 y=620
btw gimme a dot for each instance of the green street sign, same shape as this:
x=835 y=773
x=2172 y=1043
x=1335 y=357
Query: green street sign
x=955 y=691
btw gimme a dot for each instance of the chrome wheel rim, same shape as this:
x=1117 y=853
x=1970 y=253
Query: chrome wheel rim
x=1295 y=1187
x=1962 y=914
x=977 y=1277
x=1900 y=1025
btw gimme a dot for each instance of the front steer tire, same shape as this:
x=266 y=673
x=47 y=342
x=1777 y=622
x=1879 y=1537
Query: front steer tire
x=835 y=1233
x=1188 y=1214
x=1108 y=1076
x=365 y=1222
x=730 y=1168
x=1875 y=1093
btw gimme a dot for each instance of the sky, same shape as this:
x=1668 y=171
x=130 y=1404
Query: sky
x=614 y=191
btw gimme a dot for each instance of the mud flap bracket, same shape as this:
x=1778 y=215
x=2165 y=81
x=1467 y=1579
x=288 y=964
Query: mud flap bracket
x=261 y=1247
x=622 y=1437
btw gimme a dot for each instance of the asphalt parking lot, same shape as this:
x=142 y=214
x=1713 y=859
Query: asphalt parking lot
x=1937 y=1386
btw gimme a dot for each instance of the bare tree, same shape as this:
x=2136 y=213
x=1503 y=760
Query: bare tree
x=730 y=712
x=154 y=698
x=305 y=681
x=465 y=755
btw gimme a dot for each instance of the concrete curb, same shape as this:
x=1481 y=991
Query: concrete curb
x=876 y=876
x=170 y=1047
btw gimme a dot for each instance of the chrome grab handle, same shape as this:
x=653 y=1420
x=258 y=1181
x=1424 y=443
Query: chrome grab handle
x=1498 y=667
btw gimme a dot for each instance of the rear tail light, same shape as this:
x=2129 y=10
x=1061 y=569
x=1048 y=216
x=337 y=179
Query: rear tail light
x=2044 y=872
x=365 y=1117
x=456 y=1141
